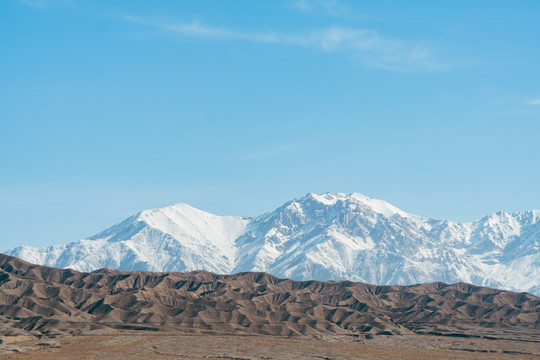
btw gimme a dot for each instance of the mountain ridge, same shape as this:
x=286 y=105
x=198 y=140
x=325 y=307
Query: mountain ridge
x=332 y=236
x=44 y=301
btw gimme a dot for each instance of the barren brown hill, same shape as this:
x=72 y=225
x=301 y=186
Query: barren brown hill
x=43 y=301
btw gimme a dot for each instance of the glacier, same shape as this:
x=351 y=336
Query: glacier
x=332 y=236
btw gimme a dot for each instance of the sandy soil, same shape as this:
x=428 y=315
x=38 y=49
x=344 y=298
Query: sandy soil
x=152 y=345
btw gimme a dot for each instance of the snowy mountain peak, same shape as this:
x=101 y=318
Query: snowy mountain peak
x=172 y=211
x=330 y=236
x=376 y=205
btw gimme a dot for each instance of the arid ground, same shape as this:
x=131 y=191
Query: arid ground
x=151 y=345
x=48 y=313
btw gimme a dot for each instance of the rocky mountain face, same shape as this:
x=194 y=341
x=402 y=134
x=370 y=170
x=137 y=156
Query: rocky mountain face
x=323 y=237
x=43 y=301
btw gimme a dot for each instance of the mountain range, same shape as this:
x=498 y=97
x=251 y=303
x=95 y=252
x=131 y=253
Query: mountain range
x=43 y=301
x=331 y=236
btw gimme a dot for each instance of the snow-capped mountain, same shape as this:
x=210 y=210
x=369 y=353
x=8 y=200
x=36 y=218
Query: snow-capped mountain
x=325 y=237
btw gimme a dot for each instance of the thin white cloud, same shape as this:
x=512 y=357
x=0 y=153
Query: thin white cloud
x=367 y=46
x=534 y=102
x=194 y=28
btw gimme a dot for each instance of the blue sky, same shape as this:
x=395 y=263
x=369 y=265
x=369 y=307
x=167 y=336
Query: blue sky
x=234 y=107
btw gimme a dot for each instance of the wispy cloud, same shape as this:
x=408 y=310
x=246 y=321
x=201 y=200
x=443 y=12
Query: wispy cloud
x=195 y=28
x=534 y=102
x=366 y=46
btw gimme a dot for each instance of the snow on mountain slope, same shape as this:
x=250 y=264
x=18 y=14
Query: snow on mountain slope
x=325 y=237
x=174 y=238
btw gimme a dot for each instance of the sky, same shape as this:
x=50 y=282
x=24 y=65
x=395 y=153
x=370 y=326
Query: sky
x=235 y=107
